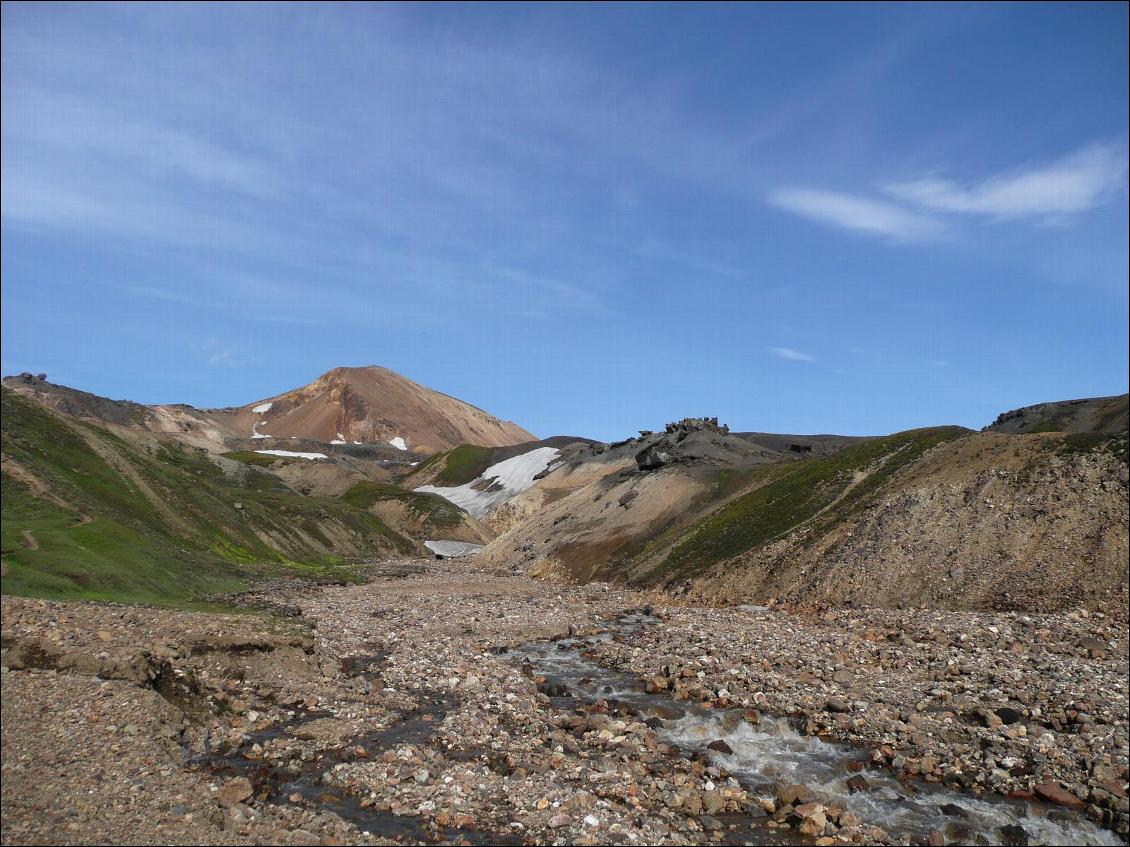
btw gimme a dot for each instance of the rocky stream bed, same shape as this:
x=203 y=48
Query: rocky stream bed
x=441 y=703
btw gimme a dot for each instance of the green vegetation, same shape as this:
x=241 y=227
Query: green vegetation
x=457 y=466
x=1052 y=423
x=87 y=514
x=1115 y=412
x=104 y=559
x=463 y=464
x=430 y=508
x=796 y=493
x=1096 y=443
x=424 y=465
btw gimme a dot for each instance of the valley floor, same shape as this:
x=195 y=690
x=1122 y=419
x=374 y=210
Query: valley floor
x=444 y=703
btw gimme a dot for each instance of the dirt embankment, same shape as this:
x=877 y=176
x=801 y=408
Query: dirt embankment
x=988 y=521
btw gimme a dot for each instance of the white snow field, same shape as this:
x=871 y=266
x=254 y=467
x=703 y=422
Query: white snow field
x=262 y=407
x=453 y=549
x=507 y=478
x=292 y=454
x=398 y=443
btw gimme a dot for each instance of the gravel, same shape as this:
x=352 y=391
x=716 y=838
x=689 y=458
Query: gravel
x=394 y=710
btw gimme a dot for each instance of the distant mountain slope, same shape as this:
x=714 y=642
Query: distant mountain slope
x=464 y=463
x=114 y=499
x=1093 y=414
x=944 y=516
x=88 y=513
x=371 y=405
x=675 y=504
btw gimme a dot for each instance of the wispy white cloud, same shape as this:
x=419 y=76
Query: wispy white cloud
x=560 y=293
x=859 y=214
x=217 y=354
x=791 y=355
x=1075 y=183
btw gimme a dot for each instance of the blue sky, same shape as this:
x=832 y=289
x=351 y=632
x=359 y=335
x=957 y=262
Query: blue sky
x=588 y=219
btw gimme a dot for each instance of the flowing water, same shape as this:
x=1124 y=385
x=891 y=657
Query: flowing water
x=773 y=752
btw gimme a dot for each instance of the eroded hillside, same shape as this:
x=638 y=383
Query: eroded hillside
x=941 y=516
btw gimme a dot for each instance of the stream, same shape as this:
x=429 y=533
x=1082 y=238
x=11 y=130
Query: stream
x=761 y=756
x=772 y=752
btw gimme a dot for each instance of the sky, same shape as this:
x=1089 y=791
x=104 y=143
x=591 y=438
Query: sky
x=588 y=219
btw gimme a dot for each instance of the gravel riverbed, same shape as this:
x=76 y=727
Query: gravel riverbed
x=402 y=711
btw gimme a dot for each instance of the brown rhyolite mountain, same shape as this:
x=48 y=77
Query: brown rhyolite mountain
x=374 y=404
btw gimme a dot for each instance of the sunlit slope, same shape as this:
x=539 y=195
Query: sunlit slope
x=87 y=513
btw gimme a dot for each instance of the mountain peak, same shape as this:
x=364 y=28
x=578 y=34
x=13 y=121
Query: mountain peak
x=372 y=403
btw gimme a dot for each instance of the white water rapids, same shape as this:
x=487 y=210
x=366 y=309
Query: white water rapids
x=772 y=752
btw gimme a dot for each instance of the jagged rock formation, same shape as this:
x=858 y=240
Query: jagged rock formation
x=664 y=449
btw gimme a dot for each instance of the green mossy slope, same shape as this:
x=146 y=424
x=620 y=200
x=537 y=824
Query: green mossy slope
x=155 y=522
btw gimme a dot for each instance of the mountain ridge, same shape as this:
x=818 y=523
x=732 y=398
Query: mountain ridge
x=693 y=509
x=370 y=405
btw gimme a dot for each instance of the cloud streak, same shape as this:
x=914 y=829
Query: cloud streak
x=859 y=214
x=1073 y=184
x=790 y=355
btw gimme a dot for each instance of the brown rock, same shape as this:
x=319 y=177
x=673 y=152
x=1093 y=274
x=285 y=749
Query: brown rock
x=792 y=795
x=713 y=802
x=234 y=791
x=809 y=810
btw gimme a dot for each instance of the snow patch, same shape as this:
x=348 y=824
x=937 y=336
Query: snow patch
x=507 y=478
x=255 y=433
x=398 y=443
x=453 y=549
x=341 y=437
x=292 y=454
x=337 y=441
x=262 y=407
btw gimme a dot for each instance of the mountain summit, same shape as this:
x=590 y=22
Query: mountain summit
x=374 y=404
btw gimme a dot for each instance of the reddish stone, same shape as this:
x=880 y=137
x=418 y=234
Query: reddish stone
x=1053 y=793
